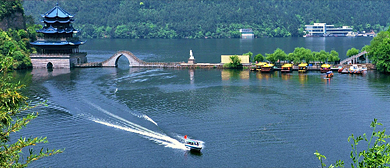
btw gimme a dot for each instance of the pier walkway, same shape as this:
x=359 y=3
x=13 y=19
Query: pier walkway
x=136 y=62
x=353 y=58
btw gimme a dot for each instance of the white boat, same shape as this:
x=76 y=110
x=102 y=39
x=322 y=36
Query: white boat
x=192 y=144
x=363 y=68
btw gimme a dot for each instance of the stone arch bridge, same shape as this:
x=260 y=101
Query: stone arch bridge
x=135 y=61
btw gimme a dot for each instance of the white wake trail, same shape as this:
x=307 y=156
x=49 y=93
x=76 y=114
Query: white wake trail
x=135 y=128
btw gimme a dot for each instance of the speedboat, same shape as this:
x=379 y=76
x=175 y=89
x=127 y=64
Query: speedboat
x=192 y=144
x=329 y=74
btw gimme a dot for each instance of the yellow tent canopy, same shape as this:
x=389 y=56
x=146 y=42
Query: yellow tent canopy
x=325 y=66
x=302 y=65
x=287 y=65
x=261 y=63
x=268 y=65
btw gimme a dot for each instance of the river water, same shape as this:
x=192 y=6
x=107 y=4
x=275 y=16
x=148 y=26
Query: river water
x=136 y=117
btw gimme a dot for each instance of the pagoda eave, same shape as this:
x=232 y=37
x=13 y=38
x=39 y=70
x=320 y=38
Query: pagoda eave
x=62 y=43
x=57 y=21
x=58 y=32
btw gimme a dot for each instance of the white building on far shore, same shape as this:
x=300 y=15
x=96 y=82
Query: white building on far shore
x=247 y=33
x=324 y=30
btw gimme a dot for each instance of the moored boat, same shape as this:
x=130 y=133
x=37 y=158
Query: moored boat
x=340 y=70
x=259 y=65
x=325 y=68
x=267 y=68
x=287 y=68
x=192 y=144
x=355 y=69
x=302 y=68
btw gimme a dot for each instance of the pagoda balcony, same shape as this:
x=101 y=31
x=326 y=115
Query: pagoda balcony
x=58 y=39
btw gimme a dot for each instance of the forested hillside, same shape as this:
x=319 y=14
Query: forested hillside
x=15 y=40
x=213 y=18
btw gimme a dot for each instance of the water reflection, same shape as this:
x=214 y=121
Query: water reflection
x=265 y=76
x=44 y=74
x=286 y=76
x=302 y=78
x=227 y=74
x=191 y=72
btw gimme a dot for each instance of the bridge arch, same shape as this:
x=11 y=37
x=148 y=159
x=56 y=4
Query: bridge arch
x=113 y=60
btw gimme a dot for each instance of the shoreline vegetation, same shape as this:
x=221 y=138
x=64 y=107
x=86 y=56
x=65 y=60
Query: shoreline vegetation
x=299 y=55
x=195 y=19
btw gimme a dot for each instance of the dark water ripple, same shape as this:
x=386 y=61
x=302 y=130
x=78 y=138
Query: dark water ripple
x=121 y=117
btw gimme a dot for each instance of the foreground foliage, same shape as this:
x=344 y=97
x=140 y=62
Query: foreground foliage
x=376 y=155
x=379 y=51
x=12 y=104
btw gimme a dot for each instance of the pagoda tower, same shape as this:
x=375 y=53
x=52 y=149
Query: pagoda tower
x=58 y=48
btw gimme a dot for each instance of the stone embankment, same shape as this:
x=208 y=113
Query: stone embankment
x=136 y=62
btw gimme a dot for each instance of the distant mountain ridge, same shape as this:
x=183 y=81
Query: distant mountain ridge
x=213 y=18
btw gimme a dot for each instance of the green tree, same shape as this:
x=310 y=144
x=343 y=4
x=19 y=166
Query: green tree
x=258 y=58
x=334 y=56
x=316 y=56
x=12 y=103
x=279 y=54
x=301 y=54
x=376 y=155
x=309 y=57
x=323 y=56
x=271 y=58
x=290 y=57
x=235 y=62
x=250 y=55
x=379 y=51
x=352 y=52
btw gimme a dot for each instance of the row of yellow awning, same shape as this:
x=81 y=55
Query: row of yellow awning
x=268 y=65
x=290 y=65
x=287 y=66
x=261 y=63
x=302 y=65
x=325 y=66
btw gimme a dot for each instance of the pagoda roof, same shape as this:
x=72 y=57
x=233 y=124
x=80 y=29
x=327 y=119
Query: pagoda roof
x=57 y=43
x=57 y=21
x=53 y=30
x=57 y=12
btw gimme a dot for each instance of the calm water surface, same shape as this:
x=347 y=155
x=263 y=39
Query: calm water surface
x=136 y=117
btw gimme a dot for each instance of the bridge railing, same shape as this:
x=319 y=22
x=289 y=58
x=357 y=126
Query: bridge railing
x=353 y=57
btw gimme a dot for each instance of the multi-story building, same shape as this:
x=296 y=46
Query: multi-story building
x=247 y=33
x=324 y=30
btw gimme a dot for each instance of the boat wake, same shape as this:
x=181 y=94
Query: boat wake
x=123 y=124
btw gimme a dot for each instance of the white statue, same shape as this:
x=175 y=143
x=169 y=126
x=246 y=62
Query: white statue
x=191 y=56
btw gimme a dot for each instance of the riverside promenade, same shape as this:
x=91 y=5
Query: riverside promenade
x=136 y=62
x=191 y=64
